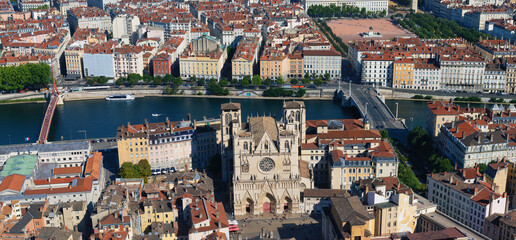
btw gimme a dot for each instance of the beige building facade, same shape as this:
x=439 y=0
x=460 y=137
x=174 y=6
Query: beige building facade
x=267 y=173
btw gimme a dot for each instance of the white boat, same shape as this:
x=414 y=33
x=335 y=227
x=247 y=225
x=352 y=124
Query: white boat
x=156 y=114
x=120 y=97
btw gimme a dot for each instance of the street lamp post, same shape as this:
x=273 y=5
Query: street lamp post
x=84 y=131
x=396 y=111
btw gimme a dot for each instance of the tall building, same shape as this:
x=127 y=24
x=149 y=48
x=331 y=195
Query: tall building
x=501 y=226
x=125 y=26
x=166 y=145
x=267 y=173
x=204 y=58
x=464 y=197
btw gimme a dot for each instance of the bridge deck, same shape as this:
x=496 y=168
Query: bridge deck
x=380 y=116
x=47 y=121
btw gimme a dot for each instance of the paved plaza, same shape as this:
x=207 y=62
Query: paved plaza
x=292 y=226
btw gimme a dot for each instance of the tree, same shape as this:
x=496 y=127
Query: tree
x=168 y=78
x=246 y=81
x=201 y=82
x=482 y=167
x=327 y=76
x=120 y=81
x=178 y=81
x=293 y=81
x=127 y=170
x=147 y=78
x=133 y=78
x=223 y=82
x=257 y=80
x=234 y=81
x=157 y=80
x=280 y=80
x=144 y=168
x=318 y=82
x=305 y=81
x=301 y=92
x=268 y=82
x=385 y=134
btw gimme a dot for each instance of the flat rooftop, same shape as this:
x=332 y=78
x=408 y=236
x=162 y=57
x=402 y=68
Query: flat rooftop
x=49 y=147
x=21 y=164
x=448 y=222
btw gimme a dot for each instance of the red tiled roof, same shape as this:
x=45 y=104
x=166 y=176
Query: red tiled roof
x=12 y=182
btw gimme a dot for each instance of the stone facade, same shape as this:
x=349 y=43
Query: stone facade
x=267 y=173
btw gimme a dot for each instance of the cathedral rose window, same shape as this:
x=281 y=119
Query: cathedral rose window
x=266 y=165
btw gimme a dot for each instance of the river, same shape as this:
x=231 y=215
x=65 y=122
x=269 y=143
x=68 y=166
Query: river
x=100 y=118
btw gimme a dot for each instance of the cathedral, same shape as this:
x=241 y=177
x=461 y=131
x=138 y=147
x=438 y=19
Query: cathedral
x=261 y=158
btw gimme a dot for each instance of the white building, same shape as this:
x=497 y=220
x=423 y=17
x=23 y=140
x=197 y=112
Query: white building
x=89 y=17
x=461 y=72
x=377 y=70
x=321 y=62
x=427 y=77
x=461 y=196
x=494 y=79
x=369 y=5
x=98 y=61
x=125 y=25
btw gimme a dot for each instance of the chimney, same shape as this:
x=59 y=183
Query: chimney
x=189 y=117
x=475 y=191
x=128 y=124
x=451 y=180
x=455 y=166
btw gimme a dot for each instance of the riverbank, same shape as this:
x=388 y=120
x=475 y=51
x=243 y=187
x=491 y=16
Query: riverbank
x=312 y=94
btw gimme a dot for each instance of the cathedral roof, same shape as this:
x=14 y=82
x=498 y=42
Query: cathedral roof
x=230 y=106
x=293 y=104
x=261 y=125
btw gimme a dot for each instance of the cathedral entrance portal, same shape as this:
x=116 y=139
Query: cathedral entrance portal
x=249 y=206
x=287 y=205
x=268 y=203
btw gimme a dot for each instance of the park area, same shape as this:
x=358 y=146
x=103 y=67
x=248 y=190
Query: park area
x=350 y=29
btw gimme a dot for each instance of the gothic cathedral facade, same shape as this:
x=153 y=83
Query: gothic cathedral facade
x=261 y=158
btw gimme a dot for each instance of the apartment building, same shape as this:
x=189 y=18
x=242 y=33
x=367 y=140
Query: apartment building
x=274 y=65
x=98 y=60
x=156 y=211
x=75 y=49
x=439 y=113
x=65 y=5
x=394 y=204
x=245 y=58
x=466 y=145
x=464 y=197
x=125 y=26
x=27 y=5
x=461 y=72
x=501 y=226
x=494 y=78
x=476 y=19
x=494 y=49
x=350 y=162
x=88 y=17
x=427 y=76
x=377 y=70
x=166 y=145
x=370 y=6
x=403 y=74
x=322 y=62
x=205 y=217
x=509 y=64
x=296 y=65
x=166 y=59
x=204 y=58
x=128 y=60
